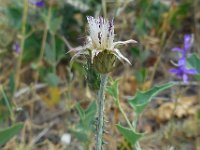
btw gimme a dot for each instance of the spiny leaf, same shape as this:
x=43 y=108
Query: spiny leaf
x=8 y=133
x=129 y=134
x=141 y=99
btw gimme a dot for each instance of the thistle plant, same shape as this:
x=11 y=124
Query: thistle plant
x=102 y=51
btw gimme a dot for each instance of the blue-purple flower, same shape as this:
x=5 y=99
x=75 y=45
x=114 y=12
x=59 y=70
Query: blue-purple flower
x=37 y=3
x=188 y=40
x=182 y=71
x=16 y=47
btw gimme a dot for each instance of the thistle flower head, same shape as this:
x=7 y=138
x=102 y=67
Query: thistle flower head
x=101 y=40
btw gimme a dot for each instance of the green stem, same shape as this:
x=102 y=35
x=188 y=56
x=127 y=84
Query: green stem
x=132 y=126
x=124 y=114
x=104 y=8
x=45 y=34
x=23 y=32
x=44 y=38
x=135 y=122
x=100 y=111
x=137 y=146
x=7 y=103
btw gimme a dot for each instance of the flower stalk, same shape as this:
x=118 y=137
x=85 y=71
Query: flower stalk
x=100 y=111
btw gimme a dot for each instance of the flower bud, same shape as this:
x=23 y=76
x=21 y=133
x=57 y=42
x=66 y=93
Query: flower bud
x=104 y=62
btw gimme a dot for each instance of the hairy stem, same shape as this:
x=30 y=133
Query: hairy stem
x=100 y=111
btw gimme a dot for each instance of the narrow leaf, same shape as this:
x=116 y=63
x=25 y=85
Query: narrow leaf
x=8 y=133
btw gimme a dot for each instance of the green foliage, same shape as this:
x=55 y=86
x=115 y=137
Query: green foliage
x=32 y=47
x=129 y=134
x=7 y=134
x=142 y=99
x=194 y=62
x=50 y=54
x=4 y=113
x=180 y=12
x=113 y=89
x=87 y=116
x=84 y=128
x=12 y=83
x=54 y=51
x=14 y=13
x=55 y=24
x=92 y=77
x=52 y=79
x=141 y=75
x=149 y=15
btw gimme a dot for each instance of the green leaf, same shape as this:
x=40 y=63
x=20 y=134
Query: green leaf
x=129 y=134
x=7 y=134
x=84 y=129
x=136 y=52
x=81 y=134
x=55 y=24
x=92 y=76
x=194 y=62
x=87 y=115
x=141 y=99
x=50 y=54
x=141 y=75
x=14 y=13
x=12 y=83
x=113 y=89
x=52 y=79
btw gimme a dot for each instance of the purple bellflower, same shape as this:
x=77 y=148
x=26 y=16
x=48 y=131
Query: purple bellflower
x=182 y=71
x=16 y=47
x=188 y=40
x=37 y=3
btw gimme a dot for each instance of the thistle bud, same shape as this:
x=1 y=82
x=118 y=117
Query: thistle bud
x=104 y=62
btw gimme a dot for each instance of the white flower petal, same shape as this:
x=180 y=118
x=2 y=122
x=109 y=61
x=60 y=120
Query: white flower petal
x=123 y=42
x=101 y=32
x=119 y=55
x=77 y=55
